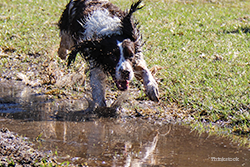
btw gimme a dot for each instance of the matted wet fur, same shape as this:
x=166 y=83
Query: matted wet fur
x=108 y=38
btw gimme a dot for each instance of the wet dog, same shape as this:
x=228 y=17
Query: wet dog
x=108 y=38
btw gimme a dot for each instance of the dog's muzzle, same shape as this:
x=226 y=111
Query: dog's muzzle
x=124 y=74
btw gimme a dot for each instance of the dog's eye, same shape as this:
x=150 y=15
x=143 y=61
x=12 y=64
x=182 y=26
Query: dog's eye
x=130 y=56
x=128 y=53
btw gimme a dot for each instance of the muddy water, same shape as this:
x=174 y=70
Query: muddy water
x=60 y=126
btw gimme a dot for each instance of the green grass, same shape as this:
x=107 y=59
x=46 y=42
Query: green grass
x=29 y=26
x=204 y=47
x=205 y=50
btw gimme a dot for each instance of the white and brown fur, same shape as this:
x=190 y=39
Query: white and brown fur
x=110 y=41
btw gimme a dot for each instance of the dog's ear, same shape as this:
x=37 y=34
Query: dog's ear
x=128 y=48
x=127 y=23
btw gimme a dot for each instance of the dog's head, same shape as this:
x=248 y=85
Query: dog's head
x=115 y=55
x=124 y=70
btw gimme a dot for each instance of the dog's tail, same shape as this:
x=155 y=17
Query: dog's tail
x=134 y=7
x=129 y=26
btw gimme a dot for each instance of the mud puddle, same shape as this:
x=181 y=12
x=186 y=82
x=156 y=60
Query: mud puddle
x=61 y=127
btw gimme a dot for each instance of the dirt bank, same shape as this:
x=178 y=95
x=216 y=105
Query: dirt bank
x=18 y=151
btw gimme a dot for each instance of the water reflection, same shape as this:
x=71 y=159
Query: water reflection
x=85 y=139
x=18 y=102
x=113 y=142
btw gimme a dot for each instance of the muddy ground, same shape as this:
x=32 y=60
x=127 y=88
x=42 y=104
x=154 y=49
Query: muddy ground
x=51 y=78
x=18 y=151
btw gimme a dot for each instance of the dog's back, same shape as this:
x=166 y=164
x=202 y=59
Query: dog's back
x=91 y=19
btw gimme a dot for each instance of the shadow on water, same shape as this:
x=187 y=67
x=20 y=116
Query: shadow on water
x=83 y=138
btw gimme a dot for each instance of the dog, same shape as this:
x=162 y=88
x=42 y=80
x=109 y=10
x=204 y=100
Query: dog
x=109 y=40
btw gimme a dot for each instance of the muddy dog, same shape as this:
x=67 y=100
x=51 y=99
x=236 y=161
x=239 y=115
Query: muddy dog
x=109 y=40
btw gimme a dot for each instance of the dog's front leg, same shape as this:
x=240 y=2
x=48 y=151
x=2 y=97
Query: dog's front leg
x=150 y=84
x=97 y=83
x=142 y=72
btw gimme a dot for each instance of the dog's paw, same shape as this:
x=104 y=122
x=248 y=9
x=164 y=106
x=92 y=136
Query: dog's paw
x=62 y=53
x=152 y=91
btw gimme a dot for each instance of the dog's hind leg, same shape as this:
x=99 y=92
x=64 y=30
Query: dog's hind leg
x=142 y=72
x=97 y=83
x=65 y=45
x=72 y=56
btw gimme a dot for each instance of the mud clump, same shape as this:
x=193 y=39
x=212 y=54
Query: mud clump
x=15 y=150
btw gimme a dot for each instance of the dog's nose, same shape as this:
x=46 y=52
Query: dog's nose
x=125 y=74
